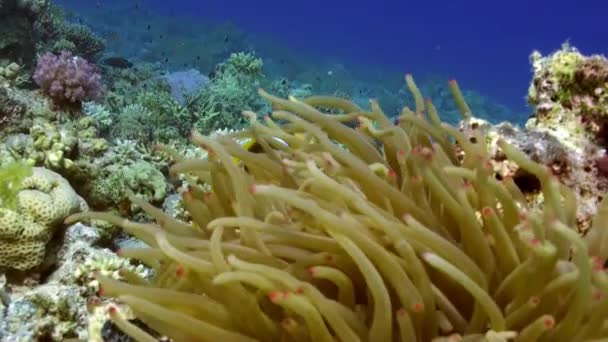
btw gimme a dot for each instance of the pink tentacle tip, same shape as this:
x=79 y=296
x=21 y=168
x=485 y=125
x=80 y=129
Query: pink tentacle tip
x=311 y=271
x=275 y=296
x=549 y=322
x=180 y=271
x=487 y=212
x=418 y=307
x=252 y=189
x=392 y=174
x=598 y=264
x=401 y=312
x=112 y=310
x=598 y=295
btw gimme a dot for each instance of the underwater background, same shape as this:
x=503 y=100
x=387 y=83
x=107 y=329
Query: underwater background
x=484 y=44
x=397 y=171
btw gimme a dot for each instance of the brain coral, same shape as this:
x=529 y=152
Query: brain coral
x=46 y=199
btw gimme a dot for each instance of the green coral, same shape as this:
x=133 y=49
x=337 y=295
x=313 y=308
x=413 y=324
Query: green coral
x=565 y=63
x=168 y=119
x=125 y=85
x=131 y=123
x=101 y=116
x=569 y=92
x=57 y=145
x=232 y=90
x=12 y=74
x=112 y=186
x=244 y=63
x=11 y=179
x=153 y=116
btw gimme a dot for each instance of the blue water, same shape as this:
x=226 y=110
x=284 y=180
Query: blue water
x=483 y=44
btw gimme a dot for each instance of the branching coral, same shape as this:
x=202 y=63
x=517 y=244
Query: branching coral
x=232 y=89
x=387 y=232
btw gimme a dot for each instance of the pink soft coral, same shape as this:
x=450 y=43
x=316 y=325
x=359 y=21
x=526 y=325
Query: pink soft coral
x=66 y=78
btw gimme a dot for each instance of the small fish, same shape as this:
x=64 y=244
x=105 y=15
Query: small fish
x=227 y=39
x=149 y=27
x=117 y=62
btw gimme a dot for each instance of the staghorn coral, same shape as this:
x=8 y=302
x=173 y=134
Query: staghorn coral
x=44 y=199
x=388 y=232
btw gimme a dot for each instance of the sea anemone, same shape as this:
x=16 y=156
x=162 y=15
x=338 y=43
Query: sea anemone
x=384 y=232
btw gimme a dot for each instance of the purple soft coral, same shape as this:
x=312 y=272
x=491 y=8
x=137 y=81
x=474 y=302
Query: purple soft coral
x=68 y=78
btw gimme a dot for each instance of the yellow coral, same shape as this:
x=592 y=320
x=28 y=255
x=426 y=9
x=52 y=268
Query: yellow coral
x=46 y=199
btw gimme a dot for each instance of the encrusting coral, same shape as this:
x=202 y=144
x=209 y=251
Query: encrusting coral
x=387 y=232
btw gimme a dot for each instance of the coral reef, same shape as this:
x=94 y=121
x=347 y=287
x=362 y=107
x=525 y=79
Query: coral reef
x=63 y=307
x=68 y=78
x=569 y=123
x=385 y=232
x=325 y=220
